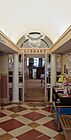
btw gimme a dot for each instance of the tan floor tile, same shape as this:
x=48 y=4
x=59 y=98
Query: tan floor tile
x=33 y=124
x=19 y=131
x=3 y=119
x=46 y=131
x=44 y=120
x=43 y=112
x=8 y=112
x=6 y=137
x=2 y=131
x=40 y=107
x=24 y=112
x=9 y=106
x=25 y=106
x=23 y=120
x=34 y=109
x=14 y=115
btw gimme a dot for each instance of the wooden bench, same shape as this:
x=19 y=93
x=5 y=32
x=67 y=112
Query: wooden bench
x=65 y=121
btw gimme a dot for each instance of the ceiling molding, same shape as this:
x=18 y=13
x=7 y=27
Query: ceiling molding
x=7 y=42
x=62 y=40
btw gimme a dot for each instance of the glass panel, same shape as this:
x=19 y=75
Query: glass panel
x=20 y=79
x=36 y=62
x=10 y=79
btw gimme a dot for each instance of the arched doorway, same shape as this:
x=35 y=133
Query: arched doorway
x=40 y=48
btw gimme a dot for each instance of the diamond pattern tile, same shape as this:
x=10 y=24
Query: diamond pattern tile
x=2 y=131
x=32 y=135
x=47 y=131
x=51 y=124
x=43 y=137
x=14 y=115
x=33 y=124
x=10 y=125
x=6 y=137
x=49 y=109
x=2 y=114
x=20 y=130
x=22 y=122
x=17 y=109
x=34 y=116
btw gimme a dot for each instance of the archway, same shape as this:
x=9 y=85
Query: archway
x=38 y=46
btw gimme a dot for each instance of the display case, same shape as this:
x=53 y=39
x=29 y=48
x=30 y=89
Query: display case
x=62 y=101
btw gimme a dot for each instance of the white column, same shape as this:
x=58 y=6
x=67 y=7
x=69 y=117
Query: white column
x=53 y=73
x=45 y=78
x=15 y=79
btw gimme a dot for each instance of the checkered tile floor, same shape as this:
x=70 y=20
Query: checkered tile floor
x=23 y=122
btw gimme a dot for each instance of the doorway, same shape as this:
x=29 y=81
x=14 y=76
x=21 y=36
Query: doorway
x=34 y=91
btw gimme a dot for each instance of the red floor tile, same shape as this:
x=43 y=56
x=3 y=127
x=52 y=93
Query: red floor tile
x=51 y=125
x=2 y=114
x=59 y=137
x=17 y=109
x=34 y=116
x=10 y=125
x=43 y=137
x=49 y=109
x=33 y=135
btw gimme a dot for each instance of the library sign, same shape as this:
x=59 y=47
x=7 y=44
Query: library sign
x=34 y=51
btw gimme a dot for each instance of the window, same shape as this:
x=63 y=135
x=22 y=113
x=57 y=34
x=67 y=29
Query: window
x=20 y=73
x=43 y=62
x=10 y=94
x=10 y=72
x=10 y=79
x=20 y=58
x=36 y=62
x=20 y=94
x=20 y=79
x=27 y=61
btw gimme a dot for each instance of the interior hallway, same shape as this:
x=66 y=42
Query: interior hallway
x=34 y=91
x=23 y=122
